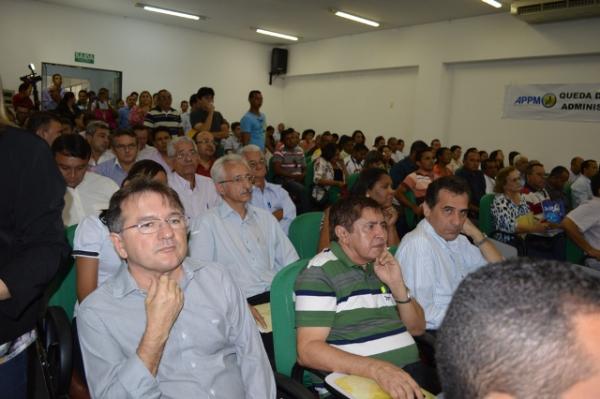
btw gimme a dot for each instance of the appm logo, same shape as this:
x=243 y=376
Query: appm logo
x=549 y=100
x=528 y=100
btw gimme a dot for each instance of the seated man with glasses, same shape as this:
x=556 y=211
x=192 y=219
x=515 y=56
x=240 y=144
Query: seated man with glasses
x=166 y=325
x=206 y=152
x=197 y=193
x=265 y=195
x=124 y=144
x=246 y=239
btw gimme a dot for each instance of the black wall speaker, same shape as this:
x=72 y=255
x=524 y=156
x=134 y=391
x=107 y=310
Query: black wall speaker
x=279 y=57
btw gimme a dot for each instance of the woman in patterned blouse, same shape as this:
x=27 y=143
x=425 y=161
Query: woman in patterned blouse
x=508 y=205
x=325 y=176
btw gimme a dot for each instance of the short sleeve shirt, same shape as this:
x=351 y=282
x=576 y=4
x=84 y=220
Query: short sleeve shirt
x=360 y=310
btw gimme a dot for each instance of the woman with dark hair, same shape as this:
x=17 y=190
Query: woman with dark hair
x=160 y=139
x=374 y=159
x=325 y=174
x=358 y=137
x=379 y=141
x=386 y=153
x=498 y=156
x=372 y=183
x=307 y=142
x=103 y=109
x=68 y=108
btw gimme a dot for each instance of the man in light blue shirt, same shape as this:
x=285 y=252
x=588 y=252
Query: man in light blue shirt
x=166 y=326
x=124 y=145
x=254 y=122
x=581 y=189
x=435 y=257
x=265 y=195
x=124 y=113
x=247 y=240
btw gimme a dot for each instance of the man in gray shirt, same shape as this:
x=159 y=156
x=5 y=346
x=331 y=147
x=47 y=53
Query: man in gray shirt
x=166 y=325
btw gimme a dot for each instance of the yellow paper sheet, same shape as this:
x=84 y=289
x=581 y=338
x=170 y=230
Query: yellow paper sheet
x=265 y=311
x=361 y=388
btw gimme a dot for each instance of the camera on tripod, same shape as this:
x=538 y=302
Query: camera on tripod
x=32 y=79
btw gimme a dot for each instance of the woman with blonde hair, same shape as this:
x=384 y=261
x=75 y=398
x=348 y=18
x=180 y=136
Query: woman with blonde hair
x=138 y=112
x=510 y=213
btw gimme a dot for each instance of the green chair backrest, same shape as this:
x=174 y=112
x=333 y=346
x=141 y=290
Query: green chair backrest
x=351 y=180
x=304 y=233
x=486 y=224
x=333 y=195
x=411 y=220
x=65 y=294
x=310 y=174
x=283 y=316
x=574 y=253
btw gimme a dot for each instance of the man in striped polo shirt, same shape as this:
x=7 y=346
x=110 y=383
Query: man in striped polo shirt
x=164 y=116
x=354 y=313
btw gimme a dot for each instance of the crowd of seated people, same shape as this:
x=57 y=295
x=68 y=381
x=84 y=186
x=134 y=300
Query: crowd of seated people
x=236 y=188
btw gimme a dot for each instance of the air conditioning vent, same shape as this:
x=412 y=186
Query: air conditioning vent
x=540 y=11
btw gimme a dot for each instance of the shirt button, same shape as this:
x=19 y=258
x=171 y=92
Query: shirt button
x=183 y=335
x=193 y=364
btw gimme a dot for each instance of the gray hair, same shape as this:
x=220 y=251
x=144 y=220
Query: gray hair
x=250 y=148
x=217 y=172
x=171 y=146
x=93 y=127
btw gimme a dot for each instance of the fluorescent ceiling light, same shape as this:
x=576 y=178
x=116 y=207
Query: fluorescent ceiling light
x=275 y=34
x=356 y=19
x=493 y=3
x=169 y=12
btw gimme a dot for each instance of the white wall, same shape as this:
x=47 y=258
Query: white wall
x=151 y=56
x=380 y=102
x=461 y=68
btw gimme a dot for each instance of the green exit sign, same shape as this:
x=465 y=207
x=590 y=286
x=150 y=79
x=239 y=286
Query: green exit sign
x=84 y=57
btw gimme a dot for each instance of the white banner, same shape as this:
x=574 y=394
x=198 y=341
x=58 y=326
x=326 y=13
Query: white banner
x=565 y=102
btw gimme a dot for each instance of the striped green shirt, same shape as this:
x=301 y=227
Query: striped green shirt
x=360 y=309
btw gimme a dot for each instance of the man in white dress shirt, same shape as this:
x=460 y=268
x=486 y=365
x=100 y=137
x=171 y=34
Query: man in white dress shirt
x=87 y=192
x=145 y=151
x=197 y=193
x=247 y=240
x=489 y=167
x=265 y=195
x=97 y=135
x=435 y=256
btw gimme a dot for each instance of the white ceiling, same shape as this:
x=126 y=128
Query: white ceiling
x=308 y=19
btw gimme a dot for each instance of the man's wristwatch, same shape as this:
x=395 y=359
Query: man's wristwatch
x=407 y=300
x=484 y=239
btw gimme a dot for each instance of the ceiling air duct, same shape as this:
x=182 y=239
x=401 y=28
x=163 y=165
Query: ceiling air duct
x=540 y=11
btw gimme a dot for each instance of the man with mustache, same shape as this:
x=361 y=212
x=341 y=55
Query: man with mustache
x=166 y=325
x=437 y=255
x=354 y=313
x=248 y=240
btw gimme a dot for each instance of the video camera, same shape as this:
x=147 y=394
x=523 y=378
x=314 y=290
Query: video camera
x=31 y=78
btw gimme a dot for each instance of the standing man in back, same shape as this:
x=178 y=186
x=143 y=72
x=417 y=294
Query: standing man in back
x=254 y=122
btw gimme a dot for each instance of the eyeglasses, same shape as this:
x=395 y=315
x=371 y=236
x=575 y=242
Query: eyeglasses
x=189 y=154
x=129 y=147
x=176 y=222
x=256 y=164
x=239 y=179
x=205 y=142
